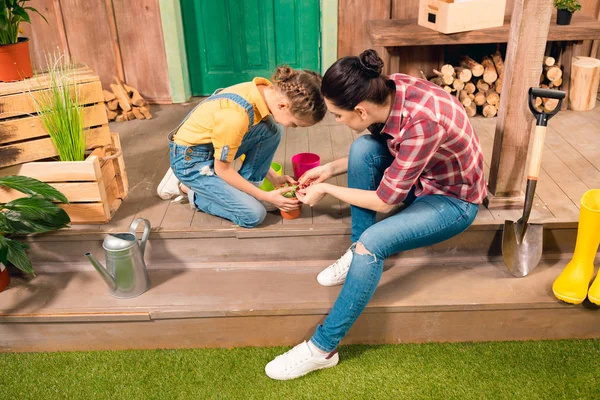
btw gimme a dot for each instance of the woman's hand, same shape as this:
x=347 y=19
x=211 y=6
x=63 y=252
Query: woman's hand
x=316 y=175
x=312 y=194
x=276 y=198
x=281 y=180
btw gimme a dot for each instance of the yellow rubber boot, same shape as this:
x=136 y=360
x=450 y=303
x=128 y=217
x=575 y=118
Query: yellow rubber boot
x=572 y=284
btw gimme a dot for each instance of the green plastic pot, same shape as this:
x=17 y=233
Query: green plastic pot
x=267 y=186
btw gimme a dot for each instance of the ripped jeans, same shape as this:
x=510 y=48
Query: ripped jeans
x=425 y=221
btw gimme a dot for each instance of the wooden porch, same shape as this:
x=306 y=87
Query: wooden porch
x=571 y=165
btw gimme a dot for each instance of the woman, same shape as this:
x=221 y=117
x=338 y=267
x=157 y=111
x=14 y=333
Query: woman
x=421 y=152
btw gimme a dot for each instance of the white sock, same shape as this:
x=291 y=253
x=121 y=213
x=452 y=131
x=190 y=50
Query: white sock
x=315 y=350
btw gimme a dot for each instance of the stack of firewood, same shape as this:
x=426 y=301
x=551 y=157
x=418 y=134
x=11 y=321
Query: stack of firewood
x=478 y=85
x=125 y=103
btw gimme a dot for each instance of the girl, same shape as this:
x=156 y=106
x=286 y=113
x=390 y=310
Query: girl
x=245 y=119
x=422 y=152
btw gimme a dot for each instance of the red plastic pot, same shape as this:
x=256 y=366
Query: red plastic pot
x=4 y=279
x=15 y=62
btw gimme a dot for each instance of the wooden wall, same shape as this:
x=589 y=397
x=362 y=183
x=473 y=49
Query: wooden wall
x=114 y=37
x=353 y=37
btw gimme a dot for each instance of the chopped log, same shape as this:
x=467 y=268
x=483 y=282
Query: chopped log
x=538 y=102
x=550 y=104
x=555 y=84
x=482 y=86
x=137 y=100
x=458 y=84
x=464 y=74
x=476 y=68
x=437 y=80
x=422 y=75
x=585 y=78
x=120 y=118
x=498 y=63
x=137 y=113
x=121 y=96
x=544 y=86
x=470 y=87
x=130 y=115
x=489 y=73
x=471 y=96
x=553 y=72
x=113 y=104
x=447 y=69
x=448 y=79
x=549 y=61
x=146 y=112
x=108 y=96
x=479 y=98
x=448 y=89
x=498 y=85
x=471 y=110
x=492 y=97
x=489 y=111
x=129 y=89
x=464 y=98
x=110 y=113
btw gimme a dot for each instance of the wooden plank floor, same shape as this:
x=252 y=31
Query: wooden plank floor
x=571 y=165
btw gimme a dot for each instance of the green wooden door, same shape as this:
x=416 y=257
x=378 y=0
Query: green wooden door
x=232 y=41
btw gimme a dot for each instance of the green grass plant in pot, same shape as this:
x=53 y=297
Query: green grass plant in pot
x=15 y=62
x=60 y=110
x=35 y=213
x=565 y=10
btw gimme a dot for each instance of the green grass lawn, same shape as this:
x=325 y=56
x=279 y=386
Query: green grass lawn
x=568 y=369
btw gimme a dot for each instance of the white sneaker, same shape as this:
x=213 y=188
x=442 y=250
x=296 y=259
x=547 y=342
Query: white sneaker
x=299 y=361
x=336 y=273
x=168 y=186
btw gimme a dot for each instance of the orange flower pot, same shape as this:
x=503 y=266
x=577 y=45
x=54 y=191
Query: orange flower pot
x=15 y=62
x=292 y=214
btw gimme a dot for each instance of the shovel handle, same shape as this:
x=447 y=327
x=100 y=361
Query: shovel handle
x=535 y=162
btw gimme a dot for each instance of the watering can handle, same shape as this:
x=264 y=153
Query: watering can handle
x=133 y=229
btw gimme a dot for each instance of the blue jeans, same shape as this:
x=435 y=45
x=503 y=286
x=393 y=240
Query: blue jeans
x=194 y=167
x=425 y=221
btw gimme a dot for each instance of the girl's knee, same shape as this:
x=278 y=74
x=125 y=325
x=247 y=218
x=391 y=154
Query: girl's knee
x=252 y=216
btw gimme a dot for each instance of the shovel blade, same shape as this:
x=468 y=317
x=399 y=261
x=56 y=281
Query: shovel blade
x=522 y=255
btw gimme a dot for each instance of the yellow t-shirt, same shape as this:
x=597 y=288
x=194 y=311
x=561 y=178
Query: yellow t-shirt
x=223 y=122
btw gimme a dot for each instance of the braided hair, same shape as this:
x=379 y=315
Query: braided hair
x=303 y=89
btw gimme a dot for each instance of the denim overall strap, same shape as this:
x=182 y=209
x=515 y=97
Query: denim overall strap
x=236 y=98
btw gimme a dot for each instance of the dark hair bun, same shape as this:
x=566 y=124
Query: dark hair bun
x=371 y=63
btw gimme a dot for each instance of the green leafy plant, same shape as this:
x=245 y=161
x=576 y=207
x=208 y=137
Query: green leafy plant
x=35 y=213
x=568 y=5
x=291 y=194
x=12 y=13
x=59 y=108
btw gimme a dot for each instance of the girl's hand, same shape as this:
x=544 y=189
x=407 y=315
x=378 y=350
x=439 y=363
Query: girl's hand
x=276 y=198
x=312 y=194
x=282 y=180
x=316 y=175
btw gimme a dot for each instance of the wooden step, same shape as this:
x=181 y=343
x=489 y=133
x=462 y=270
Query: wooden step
x=281 y=243
x=265 y=305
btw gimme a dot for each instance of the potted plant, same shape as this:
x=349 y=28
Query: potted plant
x=15 y=63
x=291 y=194
x=566 y=8
x=35 y=213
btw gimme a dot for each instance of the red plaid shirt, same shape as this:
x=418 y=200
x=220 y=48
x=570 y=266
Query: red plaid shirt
x=434 y=145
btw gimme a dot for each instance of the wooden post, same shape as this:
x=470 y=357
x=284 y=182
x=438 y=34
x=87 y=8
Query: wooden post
x=526 y=44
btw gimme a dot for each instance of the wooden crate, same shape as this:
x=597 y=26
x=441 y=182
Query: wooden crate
x=451 y=16
x=95 y=187
x=22 y=135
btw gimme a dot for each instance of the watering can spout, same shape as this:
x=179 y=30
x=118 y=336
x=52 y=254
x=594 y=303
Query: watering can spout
x=110 y=280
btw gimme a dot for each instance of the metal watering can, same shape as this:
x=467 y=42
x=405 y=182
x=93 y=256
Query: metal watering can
x=125 y=273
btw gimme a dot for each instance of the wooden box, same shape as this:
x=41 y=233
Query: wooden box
x=451 y=16
x=22 y=135
x=95 y=187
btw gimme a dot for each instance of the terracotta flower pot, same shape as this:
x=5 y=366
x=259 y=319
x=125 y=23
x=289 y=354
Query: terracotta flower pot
x=15 y=63
x=292 y=214
x=4 y=279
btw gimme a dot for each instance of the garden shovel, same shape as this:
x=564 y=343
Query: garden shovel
x=522 y=241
